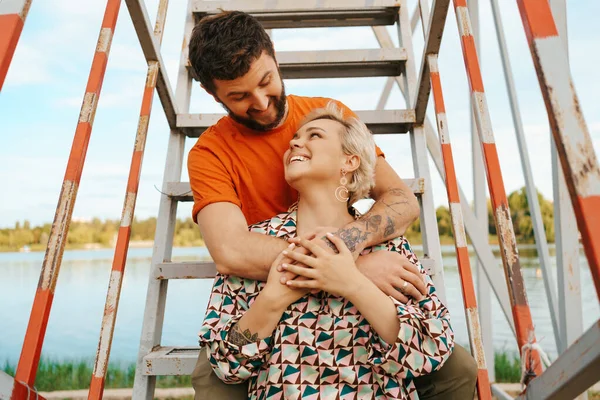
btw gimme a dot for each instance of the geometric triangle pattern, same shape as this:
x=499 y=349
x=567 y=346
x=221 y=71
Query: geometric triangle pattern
x=322 y=347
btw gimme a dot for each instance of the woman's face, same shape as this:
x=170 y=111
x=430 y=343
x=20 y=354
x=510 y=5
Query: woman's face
x=315 y=153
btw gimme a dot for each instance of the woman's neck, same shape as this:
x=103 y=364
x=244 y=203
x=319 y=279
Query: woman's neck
x=320 y=208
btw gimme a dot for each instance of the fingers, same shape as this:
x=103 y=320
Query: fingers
x=303 y=284
x=301 y=258
x=308 y=245
x=281 y=256
x=300 y=271
x=415 y=278
x=407 y=288
x=339 y=243
x=398 y=296
x=286 y=276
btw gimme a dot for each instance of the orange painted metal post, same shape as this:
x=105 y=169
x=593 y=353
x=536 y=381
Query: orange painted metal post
x=122 y=247
x=504 y=227
x=460 y=238
x=570 y=132
x=34 y=337
x=12 y=18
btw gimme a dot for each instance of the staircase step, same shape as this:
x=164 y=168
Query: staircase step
x=276 y=14
x=185 y=270
x=170 y=361
x=380 y=122
x=181 y=191
x=341 y=63
x=207 y=269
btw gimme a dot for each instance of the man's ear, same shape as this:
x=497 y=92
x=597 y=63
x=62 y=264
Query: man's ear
x=214 y=96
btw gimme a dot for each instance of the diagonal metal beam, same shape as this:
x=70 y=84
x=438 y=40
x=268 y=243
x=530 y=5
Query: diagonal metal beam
x=572 y=373
x=570 y=132
x=12 y=18
x=151 y=49
x=476 y=234
x=532 y=197
x=433 y=41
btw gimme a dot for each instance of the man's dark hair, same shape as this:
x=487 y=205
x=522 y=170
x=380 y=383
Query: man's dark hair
x=223 y=47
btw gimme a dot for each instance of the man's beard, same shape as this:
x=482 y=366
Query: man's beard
x=278 y=102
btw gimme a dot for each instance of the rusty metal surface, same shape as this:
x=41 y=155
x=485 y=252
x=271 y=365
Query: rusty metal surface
x=506 y=238
x=572 y=372
x=36 y=329
x=151 y=50
x=13 y=14
x=569 y=130
x=532 y=198
x=460 y=240
x=124 y=233
x=433 y=40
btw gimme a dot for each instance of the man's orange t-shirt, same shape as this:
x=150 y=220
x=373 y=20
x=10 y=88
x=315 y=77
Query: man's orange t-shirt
x=232 y=163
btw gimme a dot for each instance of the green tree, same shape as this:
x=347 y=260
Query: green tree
x=444 y=221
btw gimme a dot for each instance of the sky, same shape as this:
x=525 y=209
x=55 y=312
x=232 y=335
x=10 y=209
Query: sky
x=44 y=88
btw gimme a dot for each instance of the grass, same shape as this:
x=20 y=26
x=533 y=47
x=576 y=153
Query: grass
x=76 y=374
x=507 y=367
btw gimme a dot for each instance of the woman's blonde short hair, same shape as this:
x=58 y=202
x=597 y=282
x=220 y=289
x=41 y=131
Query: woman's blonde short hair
x=356 y=140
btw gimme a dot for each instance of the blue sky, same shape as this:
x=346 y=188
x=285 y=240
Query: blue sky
x=41 y=99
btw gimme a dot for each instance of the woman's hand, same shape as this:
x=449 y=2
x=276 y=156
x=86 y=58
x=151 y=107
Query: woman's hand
x=334 y=273
x=282 y=295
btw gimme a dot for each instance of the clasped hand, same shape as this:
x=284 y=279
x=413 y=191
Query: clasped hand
x=335 y=273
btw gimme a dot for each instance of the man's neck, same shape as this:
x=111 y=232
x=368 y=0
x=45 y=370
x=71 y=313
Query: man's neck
x=321 y=208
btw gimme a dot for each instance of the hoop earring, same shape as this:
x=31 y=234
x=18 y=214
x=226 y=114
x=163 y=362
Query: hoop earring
x=341 y=192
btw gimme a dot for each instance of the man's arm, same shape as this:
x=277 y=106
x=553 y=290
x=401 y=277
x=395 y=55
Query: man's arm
x=396 y=207
x=235 y=250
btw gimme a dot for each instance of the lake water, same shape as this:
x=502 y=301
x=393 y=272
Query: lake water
x=74 y=324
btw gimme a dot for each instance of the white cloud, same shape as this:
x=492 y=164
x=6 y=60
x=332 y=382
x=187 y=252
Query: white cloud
x=63 y=52
x=28 y=67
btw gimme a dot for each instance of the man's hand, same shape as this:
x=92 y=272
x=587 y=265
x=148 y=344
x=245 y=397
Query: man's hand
x=393 y=274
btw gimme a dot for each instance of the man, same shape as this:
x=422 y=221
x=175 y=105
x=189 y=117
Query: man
x=236 y=175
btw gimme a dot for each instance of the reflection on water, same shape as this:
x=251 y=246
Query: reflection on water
x=74 y=324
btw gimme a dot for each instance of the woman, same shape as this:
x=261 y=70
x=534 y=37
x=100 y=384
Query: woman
x=330 y=333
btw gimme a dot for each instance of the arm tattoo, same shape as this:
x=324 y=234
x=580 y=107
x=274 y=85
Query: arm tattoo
x=329 y=244
x=390 y=228
x=401 y=200
x=372 y=222
x=352 y=237
x=239 y=338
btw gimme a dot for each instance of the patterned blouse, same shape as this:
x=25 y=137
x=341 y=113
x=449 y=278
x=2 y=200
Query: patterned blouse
x=323 y=348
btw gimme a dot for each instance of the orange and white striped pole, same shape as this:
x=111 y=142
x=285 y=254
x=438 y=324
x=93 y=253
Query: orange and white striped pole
x=34 y=337
x=12 y=18
x=504 y=227
x=118 y=267
x=570 y=132
x=460 y=238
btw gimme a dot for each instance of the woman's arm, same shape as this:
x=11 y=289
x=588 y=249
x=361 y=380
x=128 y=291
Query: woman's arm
x=409 y=339
x=231 y=360
x=240 y=321
x=425 y=339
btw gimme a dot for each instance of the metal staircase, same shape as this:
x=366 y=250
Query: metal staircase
x=154 y=359
x=575 y=369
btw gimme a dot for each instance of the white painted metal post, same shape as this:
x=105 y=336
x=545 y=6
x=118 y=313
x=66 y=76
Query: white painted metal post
x=532 y=198
x=566 y=232
x=477 y=235
x=484 y=296
x=144 y=385
x=429 y=228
